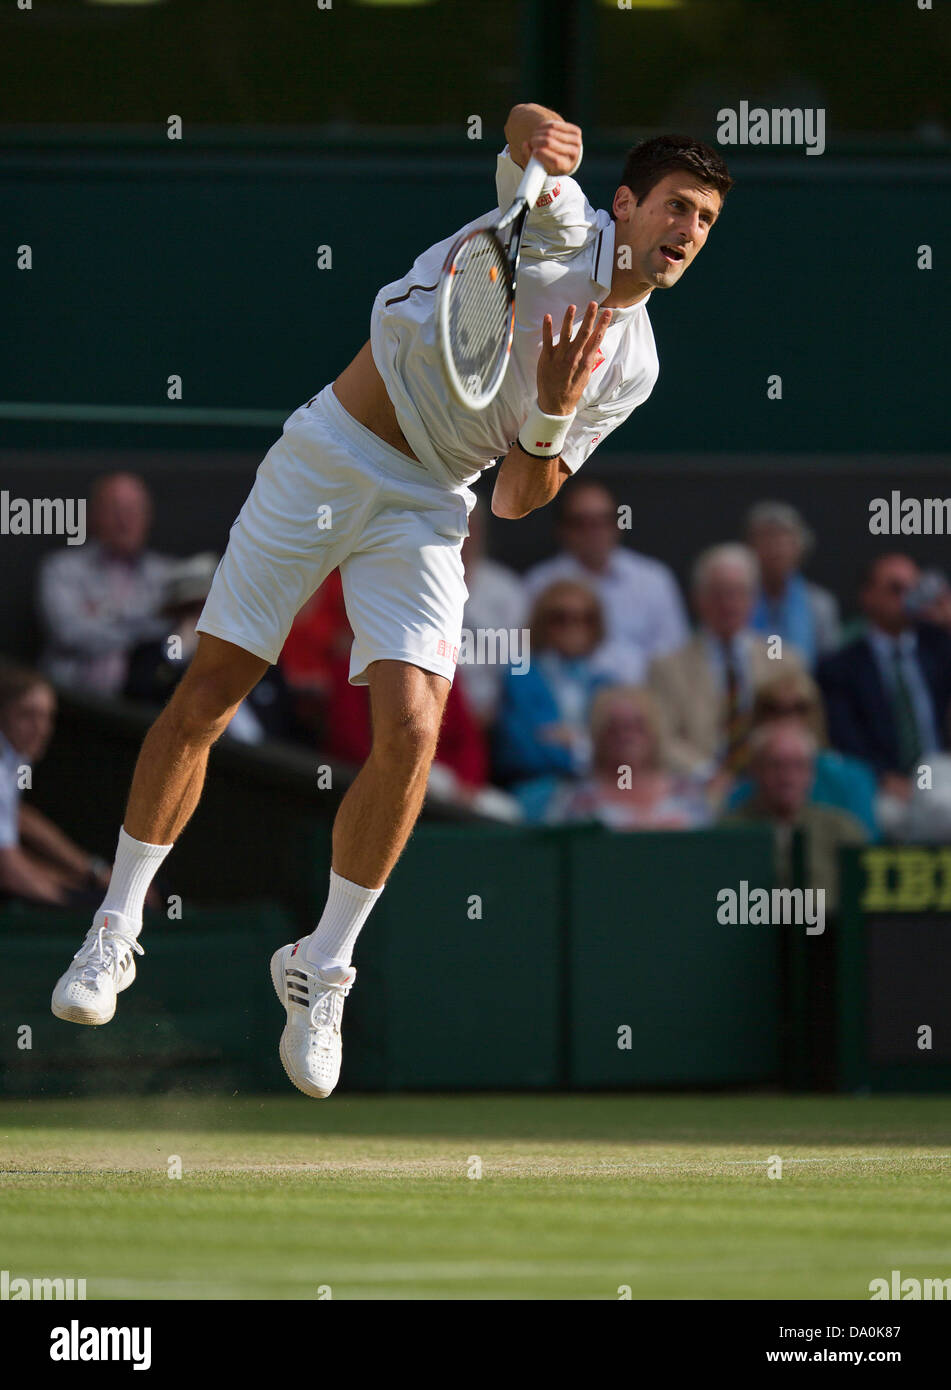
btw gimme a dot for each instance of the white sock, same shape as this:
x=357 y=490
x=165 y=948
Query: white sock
x=136 y=865
x=348 y=907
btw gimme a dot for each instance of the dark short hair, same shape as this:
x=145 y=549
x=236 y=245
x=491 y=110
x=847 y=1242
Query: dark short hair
x=650 y=161
x=567 y=496
x=869 y=571
x=17 y=681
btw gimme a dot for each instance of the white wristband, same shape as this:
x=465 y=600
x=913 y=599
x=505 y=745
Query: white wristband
x=544 y=435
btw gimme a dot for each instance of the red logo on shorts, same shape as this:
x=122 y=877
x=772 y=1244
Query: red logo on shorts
x=444 y=648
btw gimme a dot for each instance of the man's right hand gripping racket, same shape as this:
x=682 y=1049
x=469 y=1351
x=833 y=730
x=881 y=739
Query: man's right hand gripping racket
x=475 y=309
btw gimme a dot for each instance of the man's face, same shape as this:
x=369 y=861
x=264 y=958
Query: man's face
x=667 y=229
x=783 y=772
x=725 y=600
x=122 y=516
x=572 y=624
x=589 y=527
x=778 y=549
x=28 y=722
x=883 y=598
x=625 y=739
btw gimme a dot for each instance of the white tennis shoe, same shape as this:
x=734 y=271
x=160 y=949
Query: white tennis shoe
x=103 y=966
x=311 y=1045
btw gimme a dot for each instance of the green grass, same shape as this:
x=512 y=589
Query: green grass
x=578 y=1195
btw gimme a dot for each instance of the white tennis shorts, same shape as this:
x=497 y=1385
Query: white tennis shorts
x=330 y=493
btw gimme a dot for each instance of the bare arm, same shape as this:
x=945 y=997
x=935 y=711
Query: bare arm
x=20 y=876
x=525 y=483
x=39 y=834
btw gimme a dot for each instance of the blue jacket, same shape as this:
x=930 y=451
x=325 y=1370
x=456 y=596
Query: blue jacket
x=526 y=704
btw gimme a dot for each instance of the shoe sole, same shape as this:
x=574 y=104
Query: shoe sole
x=277 y=980
x=75 y=1013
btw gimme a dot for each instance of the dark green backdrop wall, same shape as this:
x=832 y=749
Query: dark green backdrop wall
x=201 y=259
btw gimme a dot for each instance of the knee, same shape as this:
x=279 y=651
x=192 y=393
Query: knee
x=408 y=741
x=202 y=706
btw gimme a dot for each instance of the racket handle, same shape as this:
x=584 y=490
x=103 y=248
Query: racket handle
x=533 y=181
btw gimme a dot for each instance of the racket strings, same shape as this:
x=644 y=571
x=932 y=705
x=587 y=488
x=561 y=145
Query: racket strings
x=479 y=313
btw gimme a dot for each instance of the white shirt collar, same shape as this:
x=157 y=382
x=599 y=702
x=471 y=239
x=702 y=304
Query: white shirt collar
x=738 y=643
x=604 y=256
x=604 y=268
x=885 y=644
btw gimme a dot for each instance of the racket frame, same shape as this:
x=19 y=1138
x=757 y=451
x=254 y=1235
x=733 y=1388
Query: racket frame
x=513 y=222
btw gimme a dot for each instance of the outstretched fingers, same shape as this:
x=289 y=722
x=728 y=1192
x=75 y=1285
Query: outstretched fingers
x=595 y=334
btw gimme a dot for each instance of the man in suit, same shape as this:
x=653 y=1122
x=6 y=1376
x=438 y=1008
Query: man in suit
x=888 y=693
x=705 y=690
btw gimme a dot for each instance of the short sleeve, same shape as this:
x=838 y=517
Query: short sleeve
x=562 y=220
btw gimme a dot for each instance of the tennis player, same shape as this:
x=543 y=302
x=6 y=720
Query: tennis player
x=386 y=456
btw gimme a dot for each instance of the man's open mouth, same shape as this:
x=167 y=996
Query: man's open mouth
x=673 y=254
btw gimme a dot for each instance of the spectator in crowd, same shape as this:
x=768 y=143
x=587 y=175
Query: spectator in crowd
x=888 y=692
x=542 y=728
x=930 y=600
x=927 y=815
x=839 y=779
x=630 y=786
x=37 y=861
x=97 y=601
x=643 y=612
x=787 y=604
x=156 y=667
x=497 y=602
x=705 y=691
x=782 y=768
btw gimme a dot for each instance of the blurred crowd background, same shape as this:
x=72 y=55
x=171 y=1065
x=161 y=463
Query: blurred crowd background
x=589 y=687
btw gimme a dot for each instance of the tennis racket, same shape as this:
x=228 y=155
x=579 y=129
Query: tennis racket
x=475 y=309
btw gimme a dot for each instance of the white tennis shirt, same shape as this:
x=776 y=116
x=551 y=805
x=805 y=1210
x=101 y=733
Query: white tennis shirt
x=567 y=257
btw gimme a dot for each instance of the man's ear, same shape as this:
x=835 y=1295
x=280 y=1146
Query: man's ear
x=624 y=201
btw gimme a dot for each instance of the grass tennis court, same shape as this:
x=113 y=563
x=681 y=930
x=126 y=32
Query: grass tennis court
x=578 y=1195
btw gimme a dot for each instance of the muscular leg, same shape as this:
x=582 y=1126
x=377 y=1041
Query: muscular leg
x=372 y=826
x=170 y=771
x=380 y=809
